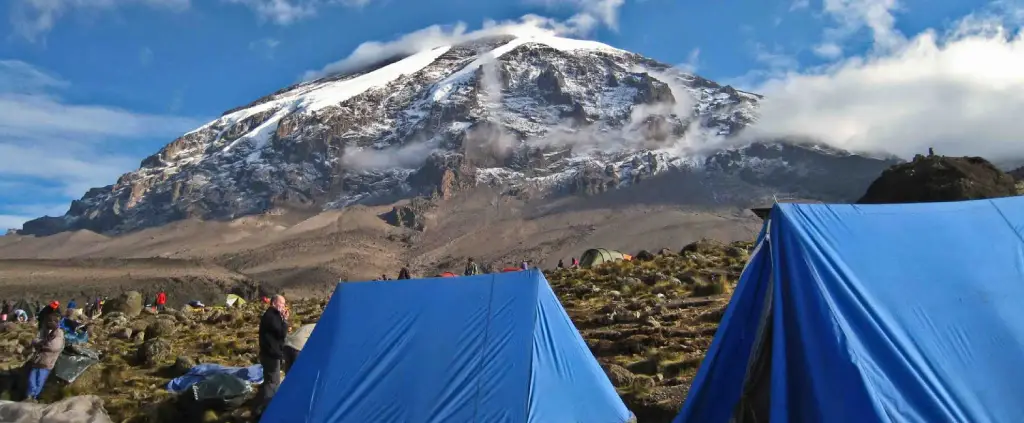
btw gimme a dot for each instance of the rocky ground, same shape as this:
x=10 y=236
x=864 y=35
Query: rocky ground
x=649 y=323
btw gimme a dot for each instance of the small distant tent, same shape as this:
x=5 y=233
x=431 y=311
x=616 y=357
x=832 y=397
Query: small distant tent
x=596 y=256
x=233 y=300
x=445 y=275
x=873 y=313
x=478 y=349
x=511 y=269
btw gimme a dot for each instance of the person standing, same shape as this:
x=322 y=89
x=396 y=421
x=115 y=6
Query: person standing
x=161 y=300
x=47 y=348
x=273 y=331
x=471 y=268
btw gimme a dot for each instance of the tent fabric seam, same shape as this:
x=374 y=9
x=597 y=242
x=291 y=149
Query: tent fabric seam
x=1006 y=219
x=487 y=335
x=806 y=241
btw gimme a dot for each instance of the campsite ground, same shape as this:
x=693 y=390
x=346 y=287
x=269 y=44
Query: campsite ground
x=648 y=323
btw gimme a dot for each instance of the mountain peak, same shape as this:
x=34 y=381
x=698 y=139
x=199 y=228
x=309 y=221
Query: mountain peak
x=523 y=111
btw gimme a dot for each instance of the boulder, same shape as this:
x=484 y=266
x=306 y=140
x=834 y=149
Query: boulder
x=154 y=351
x=704 y=246
x=618 y=375
x=940 y=178
x=115 y=319
x=159 y=329
x=648 y=366
x=182 y=365
x=129 y=303
x=644 y=255
x=122 y=333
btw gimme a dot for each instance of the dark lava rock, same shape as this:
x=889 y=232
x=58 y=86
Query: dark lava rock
x=644 y=255
x=404 y=217
x=939 y=178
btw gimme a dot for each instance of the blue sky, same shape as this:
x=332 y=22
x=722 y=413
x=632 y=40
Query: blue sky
x=90 y=87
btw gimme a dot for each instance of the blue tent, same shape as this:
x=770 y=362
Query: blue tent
x=873 y=313
x=489 y=348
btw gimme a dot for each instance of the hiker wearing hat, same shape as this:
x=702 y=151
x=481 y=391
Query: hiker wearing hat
x=46 y=348
x=52 y=309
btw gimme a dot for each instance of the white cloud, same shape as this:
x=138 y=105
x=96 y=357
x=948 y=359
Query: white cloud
x=692 y=62
x=32 y=19
x=603 y=11
x=71 y=146
x=10 y=221
x=775 y=62
x=799 y=5
x=960 y=91
x=19 y=77
x=372 y=52
x=265 y=46
x=829 y=51
x=13 y=217
x=287 y=12
x=852 y=16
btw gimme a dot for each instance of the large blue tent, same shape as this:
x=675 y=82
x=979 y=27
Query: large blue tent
x=873 y=313
x=489 y=348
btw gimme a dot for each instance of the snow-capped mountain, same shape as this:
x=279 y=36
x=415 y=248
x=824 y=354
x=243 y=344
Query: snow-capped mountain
x=553 y=115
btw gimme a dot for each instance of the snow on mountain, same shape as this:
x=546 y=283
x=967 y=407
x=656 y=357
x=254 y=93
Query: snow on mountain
x=550 y=114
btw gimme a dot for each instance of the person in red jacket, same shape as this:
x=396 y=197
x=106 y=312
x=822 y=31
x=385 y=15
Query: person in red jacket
x=161 y=299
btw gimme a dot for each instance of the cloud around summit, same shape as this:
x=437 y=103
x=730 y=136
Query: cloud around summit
x=959 y=90
x=589 y=15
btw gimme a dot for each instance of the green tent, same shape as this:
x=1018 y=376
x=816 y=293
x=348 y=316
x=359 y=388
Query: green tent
x=233 y=300
x=596 y=256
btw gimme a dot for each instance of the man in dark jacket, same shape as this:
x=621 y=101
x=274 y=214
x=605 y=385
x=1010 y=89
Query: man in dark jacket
x=273 y=331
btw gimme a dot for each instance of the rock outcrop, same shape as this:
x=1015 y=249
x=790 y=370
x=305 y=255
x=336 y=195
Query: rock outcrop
x=940 y=178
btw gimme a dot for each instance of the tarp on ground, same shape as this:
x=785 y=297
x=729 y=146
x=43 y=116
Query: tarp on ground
x=251 y=374
x=596 y=256
x=80 y=409
x=73 y=362
x=490 y=348
x=218 y=392
x=873 y=313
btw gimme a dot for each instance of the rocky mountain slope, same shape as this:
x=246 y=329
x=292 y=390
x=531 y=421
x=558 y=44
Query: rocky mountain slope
x=534 y=116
